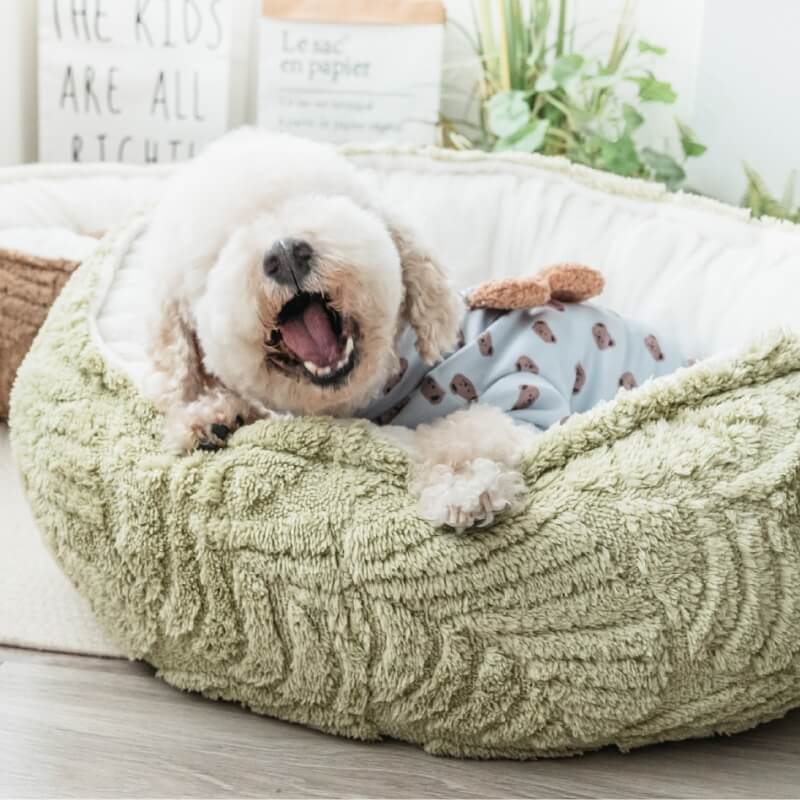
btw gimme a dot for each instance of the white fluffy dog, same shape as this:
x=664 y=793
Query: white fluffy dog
x=283 y=285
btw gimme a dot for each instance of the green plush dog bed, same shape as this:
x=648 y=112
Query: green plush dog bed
x=648 y=590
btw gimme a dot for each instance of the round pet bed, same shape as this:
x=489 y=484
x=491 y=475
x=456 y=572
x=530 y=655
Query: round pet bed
x=648 y=589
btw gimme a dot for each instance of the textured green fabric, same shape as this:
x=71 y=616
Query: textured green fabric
x=648 y=590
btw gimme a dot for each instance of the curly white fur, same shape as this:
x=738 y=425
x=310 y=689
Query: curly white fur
x=216 y=310
x=465 y=465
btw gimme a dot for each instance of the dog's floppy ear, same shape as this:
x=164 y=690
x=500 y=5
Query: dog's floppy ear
x=432 y=306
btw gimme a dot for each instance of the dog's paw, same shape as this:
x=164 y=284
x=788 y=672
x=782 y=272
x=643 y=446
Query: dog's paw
x=208 y=422
x=467 y=496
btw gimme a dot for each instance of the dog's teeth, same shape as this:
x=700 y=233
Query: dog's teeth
x=320 y=372
x=313 y=368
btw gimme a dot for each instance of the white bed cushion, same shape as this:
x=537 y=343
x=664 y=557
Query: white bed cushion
x=689 y=265
x=704 y=270
x=54 y=243
x=86 y=199
x=700 y=269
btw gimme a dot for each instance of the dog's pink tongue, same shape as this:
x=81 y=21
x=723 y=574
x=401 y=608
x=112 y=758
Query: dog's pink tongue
x=310 y=336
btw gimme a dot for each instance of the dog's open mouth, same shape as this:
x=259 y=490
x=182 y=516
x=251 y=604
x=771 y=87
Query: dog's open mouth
x=313 y=336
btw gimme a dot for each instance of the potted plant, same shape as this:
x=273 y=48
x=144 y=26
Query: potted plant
x=539 y=94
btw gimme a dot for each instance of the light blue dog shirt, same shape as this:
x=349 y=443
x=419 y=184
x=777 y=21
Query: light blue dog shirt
x=540 y=365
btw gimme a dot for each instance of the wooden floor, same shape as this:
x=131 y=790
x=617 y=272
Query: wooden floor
x=73 y=726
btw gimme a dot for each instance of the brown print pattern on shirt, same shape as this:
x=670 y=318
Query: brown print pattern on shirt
x=525 y=364
x=485 y=344
x=391 y=413
x=602 y=338
x=653 y=347
x=528 y=395
x=627 y=381
x=463 y=387
x=542 y=330
x=431 y=390
x=580 y=378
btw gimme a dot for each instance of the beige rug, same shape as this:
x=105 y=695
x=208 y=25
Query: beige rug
x=39 y=608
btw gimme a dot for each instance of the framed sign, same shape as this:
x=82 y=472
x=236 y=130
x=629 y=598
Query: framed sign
x=351 y=70
x=139 y=81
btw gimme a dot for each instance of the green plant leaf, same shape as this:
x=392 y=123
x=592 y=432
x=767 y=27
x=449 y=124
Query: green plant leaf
x=458 y=141
x=761 y=202
x=691 y=147
x=562 y=26
x=555 y=116
x=654 y=91
x=528 y=139
x=603 y=80
x=647 y=47
x=787 y=199
x=508 y=112
x=618 y=155
x=578 y=116
x=562 y=73
x=566 y=68
x=665 y=168
x=545 y=82
x=633 y=119
x=622 y=38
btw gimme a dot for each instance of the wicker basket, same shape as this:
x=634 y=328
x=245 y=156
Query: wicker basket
x=28 y=287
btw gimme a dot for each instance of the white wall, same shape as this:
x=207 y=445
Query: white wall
x=747 y=102
x=17 y=81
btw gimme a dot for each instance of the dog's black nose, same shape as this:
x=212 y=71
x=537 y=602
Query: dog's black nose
x=288 y=261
